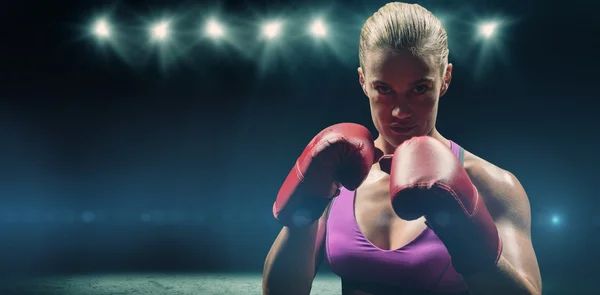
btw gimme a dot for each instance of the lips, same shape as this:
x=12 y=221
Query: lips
x=401 y=128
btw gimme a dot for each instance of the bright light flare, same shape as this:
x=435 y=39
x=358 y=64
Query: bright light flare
x=160 y=31
x=272 y=30
x=488 y=29
x=102 y=29
x=555 y=219
x=214 y=29
x=318 y=29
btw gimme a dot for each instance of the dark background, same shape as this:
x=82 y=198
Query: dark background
x=125 y=155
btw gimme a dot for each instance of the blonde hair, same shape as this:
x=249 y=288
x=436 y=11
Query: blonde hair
x=399 y=26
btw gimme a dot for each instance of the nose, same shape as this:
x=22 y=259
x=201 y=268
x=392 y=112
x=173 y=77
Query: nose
x=401 y=111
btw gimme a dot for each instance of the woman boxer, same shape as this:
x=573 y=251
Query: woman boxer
x=427 y=217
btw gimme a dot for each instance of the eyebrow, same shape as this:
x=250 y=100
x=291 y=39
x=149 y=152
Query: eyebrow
x=426 y=79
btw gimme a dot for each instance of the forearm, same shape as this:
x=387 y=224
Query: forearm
x=290 y=265
x=503 y=279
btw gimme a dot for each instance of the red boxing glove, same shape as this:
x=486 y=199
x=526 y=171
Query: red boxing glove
x=427 y=179
x=341 y=155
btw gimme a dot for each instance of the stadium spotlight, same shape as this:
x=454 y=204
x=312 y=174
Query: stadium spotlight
x=272 y=29
x=214 y=29
x=102 y=29
x=160 y=31
x=488 y=29
x=318 y=28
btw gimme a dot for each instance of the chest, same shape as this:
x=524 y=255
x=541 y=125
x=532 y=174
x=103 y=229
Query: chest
x=399 y=253
x=377 y=221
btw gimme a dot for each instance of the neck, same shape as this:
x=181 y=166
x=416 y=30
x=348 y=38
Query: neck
x=389 y=149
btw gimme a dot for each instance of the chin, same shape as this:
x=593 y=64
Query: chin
x=396 y=139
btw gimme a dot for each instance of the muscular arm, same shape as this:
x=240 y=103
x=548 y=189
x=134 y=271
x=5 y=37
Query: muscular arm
x=517 y=271
x=292 y=262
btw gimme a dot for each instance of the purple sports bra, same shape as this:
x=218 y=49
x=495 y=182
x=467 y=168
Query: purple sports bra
x=422 y=265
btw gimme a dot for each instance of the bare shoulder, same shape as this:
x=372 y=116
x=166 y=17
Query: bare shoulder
x=500 y=189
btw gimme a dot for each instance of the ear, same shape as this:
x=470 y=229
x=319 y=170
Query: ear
x=361 y=80
x=446 y=80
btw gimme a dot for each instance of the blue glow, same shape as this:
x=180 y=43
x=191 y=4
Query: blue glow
x=88 y=216
x=555 y=219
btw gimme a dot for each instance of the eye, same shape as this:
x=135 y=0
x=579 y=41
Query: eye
x=420 y=89
x=383 y=89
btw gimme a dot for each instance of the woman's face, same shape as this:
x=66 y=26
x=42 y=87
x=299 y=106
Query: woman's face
x=403 y=92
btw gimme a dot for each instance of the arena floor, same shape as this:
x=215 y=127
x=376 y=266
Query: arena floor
x=197 y=284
